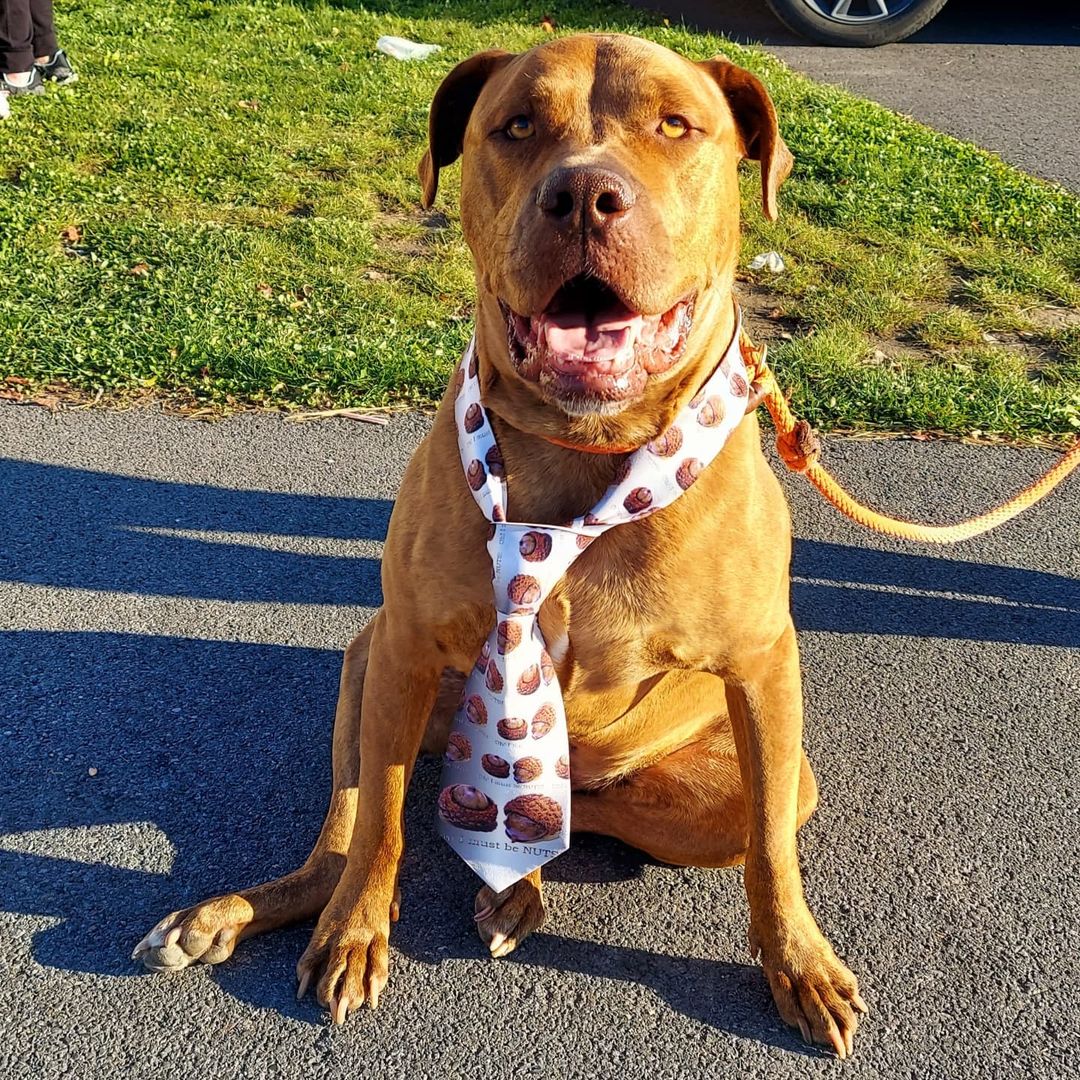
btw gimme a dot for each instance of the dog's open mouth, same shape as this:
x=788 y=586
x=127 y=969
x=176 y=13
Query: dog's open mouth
x=588 y=344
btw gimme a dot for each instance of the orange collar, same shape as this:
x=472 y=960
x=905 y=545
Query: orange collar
x=567 y=445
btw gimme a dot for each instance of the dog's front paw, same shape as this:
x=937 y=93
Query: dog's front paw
x=206 y=933
x=348 y=960
x=505 y=919
x=813 y=989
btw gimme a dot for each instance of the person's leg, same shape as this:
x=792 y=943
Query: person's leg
x=50 y=61
x=16 y=50
x=44 y=36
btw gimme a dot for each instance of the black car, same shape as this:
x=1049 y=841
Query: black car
x=856 y=22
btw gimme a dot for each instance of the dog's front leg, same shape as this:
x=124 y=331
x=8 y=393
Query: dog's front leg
x=348 y=957
x=812 y=988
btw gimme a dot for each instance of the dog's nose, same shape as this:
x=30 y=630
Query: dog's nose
x=585 y=196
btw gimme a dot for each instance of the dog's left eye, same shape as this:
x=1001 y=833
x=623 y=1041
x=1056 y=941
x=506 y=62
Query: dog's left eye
x=521 y=127
x=674 y=127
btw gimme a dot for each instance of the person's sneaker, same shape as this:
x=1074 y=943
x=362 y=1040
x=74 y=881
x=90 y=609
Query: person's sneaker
x=58 y=70
x=16 y=90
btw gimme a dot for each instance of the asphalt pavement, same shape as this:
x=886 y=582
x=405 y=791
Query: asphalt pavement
x=1000 y=74
x=174 y=600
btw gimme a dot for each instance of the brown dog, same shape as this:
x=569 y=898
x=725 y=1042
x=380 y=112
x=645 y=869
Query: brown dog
x=599 y=181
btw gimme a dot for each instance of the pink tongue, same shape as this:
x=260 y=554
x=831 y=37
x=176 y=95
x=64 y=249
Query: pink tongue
x=604 y=337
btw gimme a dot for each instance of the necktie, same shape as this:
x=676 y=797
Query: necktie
x=504 y=803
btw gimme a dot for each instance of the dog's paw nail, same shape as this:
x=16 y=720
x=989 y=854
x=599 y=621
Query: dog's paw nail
x=484 y=913
x=496 y=943
x=301 y=990
x=341 y=1010
x=837 y=1043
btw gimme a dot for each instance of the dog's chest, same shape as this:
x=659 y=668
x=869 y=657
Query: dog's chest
x=631 y=660
x=626 y=612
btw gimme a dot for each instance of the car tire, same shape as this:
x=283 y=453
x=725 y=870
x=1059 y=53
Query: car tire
x=801 y=16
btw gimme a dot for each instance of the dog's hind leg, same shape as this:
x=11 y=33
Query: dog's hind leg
x=687 y=808
x=208 y=932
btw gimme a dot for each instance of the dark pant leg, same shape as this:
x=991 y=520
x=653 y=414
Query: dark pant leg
x=16 y=36
x=44 y=38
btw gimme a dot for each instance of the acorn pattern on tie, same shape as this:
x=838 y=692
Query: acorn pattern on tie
x=504 y=803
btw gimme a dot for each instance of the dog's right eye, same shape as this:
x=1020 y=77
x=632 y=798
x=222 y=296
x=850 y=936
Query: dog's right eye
x=521 y=127
x=674 y=127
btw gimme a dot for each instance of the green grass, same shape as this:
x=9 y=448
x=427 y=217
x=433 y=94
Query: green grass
x=254 y=163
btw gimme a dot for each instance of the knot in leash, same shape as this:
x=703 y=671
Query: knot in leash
x=799 y=448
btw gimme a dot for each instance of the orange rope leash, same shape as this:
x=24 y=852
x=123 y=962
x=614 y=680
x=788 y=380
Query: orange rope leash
x=799 y=448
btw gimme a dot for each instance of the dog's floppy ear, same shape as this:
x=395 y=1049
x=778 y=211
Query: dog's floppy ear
x=450 y=109
x=755 y=118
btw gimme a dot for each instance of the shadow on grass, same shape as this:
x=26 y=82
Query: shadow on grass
x=583 y=16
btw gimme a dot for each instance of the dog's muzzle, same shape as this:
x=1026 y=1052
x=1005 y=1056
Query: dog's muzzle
x=589 y=344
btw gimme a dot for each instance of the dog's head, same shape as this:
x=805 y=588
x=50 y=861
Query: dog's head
x=599 y=197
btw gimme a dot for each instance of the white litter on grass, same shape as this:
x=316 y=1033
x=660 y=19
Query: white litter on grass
x=769 y=260
x=403 y=49
x=5 y=108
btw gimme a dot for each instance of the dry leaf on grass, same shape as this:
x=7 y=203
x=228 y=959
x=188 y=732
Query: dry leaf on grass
x=347 y=414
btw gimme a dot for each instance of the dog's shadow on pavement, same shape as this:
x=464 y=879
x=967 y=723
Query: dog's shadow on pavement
x=73 y=528
x=211 y=758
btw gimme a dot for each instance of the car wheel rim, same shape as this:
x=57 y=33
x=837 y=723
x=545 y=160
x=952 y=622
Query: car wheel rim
x=859 y=11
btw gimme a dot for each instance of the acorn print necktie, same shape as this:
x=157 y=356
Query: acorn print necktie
x=504 y=803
